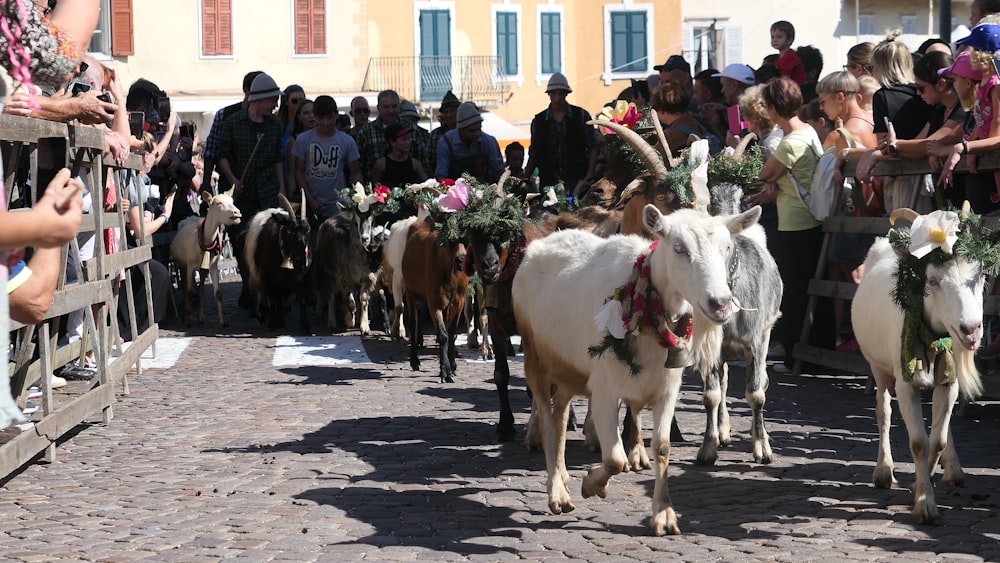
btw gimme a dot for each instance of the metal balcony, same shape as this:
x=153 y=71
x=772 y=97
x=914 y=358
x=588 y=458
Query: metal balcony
x=426 y=79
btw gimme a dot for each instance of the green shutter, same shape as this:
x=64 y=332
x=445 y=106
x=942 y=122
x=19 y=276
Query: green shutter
x=550 y=43
x=628 y=42
x=507 y=41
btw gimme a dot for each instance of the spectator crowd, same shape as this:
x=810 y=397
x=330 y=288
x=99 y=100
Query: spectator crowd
x=938 y=103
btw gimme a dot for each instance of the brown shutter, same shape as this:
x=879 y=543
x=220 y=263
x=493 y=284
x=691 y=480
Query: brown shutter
x=121 y=28
x=216 y=27
x=319 y=27
x=310 y=27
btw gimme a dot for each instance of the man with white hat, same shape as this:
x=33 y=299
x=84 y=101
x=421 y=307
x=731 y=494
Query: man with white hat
x=251 y=159
x=736 y=78
x=563 y=146
x=467 y=149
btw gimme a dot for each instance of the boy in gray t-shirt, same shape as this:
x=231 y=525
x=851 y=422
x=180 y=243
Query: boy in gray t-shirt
x=321 y=157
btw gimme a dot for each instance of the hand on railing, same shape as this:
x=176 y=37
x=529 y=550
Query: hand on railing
x=60 y=209
x=863 y=171
x=948 y=168
x=117 y=146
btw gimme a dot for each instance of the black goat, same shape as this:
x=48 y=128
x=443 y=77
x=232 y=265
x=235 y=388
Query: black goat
x=277 y=257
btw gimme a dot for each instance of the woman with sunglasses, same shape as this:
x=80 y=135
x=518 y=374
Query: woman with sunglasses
x=859 y=59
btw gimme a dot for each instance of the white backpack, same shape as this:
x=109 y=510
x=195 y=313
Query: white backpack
x=825 y=193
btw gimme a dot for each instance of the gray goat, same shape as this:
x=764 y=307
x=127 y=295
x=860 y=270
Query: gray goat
x=343 y=276
x=757 y=288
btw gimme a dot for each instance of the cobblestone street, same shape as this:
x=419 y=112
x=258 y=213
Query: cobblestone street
x=230 y=453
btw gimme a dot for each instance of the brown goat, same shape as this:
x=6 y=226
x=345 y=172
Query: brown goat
x=433 y=275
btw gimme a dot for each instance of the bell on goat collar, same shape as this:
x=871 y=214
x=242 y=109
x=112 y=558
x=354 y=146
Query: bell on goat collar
x=677 y=358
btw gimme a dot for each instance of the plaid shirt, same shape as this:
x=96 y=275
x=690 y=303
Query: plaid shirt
x=372 y=146
x=238 y=138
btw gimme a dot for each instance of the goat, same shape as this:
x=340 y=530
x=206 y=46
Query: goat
x=277 y=258
x=952 y=306
x=757 y=288
x=434 y=276
x=687 y=268
x=342 y=272
x=196 y=236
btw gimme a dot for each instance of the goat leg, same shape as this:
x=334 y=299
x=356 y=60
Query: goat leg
x=446 y=370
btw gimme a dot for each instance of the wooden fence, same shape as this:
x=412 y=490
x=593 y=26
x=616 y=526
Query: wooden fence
x=853 y=362
x=37 y=352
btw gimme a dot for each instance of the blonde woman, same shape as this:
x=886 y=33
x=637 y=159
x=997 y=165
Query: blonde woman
x=754 y=112
x=859 y=59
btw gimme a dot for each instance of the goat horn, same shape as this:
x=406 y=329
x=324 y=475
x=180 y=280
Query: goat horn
x=966 y=209
x=645 y=151
x=668 y=155
x=286 y=204
x=744 y=143
x=905 y=213
x=302 y=208
x=502 y=181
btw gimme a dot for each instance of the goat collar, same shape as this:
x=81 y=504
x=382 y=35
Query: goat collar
x=920 y=347
x=638 y=306
x=216 y=245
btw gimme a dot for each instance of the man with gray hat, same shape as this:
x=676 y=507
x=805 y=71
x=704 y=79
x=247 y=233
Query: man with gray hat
x=467 y=149
x=421 y=137
x=446 y=118
x=563 y=146
x=250 y=158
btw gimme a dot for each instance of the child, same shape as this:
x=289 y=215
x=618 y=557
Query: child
x=514 y=159
x=982 y=99
x=398 y=168
x=789 y=64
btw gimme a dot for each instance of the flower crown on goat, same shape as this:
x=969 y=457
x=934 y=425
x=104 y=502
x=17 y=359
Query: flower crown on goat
x=470 y=206
x=936 y=238
x=645 y=127
x=363 y=198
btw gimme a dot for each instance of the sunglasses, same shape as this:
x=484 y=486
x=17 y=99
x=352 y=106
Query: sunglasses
x=362 y=110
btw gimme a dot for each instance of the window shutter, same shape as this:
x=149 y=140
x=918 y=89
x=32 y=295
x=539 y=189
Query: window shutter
x=310 y=27
x=734 y=45
x=217 y=27
x=121 y=28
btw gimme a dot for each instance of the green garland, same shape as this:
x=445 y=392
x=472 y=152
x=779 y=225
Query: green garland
x=725 y=168
x=975 y=244
x=392 y=196
x=481 y=215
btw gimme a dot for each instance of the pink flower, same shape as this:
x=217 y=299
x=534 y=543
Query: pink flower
x=382 y=192
x=622 y=113
x=456 y=198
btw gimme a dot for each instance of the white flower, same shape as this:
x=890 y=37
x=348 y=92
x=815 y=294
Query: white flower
x=551 y=198
x=938 y=229
x=609 y=318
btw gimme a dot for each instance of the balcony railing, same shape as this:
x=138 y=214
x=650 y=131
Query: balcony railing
x=426 y=79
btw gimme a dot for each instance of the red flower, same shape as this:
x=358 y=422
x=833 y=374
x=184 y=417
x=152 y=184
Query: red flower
x=447 y=181
x=382 y=192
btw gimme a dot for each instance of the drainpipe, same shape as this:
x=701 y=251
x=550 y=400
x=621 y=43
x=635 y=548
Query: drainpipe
x=944 y=23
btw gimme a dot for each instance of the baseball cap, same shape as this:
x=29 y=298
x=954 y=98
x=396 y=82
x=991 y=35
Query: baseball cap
x=984 y=37
x=962 y=67
x=396 y=130
x=674 y=62
x=739 y=73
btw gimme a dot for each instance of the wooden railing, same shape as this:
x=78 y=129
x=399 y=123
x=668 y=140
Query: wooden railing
x=37 y=352
x=877 y=226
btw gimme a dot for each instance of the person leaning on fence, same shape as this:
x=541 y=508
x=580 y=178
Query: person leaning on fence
x=975 y=81
x=797 y=242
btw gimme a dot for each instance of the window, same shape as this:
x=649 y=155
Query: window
x=113 y=34
x=866 y=24
x=550 y=42
x=908 y=23
x=628 y=41
x=310 y=27
x=507 y=42
x=216 y=28
x=711 y=43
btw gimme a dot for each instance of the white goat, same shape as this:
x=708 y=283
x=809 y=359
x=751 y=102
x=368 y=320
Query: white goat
x=194 y=237
x=688 y=269
x=953 y=306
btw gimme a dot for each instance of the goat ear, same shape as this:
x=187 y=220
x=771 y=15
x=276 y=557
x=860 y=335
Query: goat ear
x=652 y=219
x=206 y=197
x=634 y=188
x=743 y=221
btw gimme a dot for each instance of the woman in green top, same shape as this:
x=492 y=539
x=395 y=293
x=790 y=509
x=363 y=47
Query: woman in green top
x=796 y=244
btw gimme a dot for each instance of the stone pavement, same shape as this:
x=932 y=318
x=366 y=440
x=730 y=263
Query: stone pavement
x=224 y=455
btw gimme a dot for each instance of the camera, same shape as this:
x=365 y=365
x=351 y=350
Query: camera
x=136 y=121
x=77 y=87
x=187 y=131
